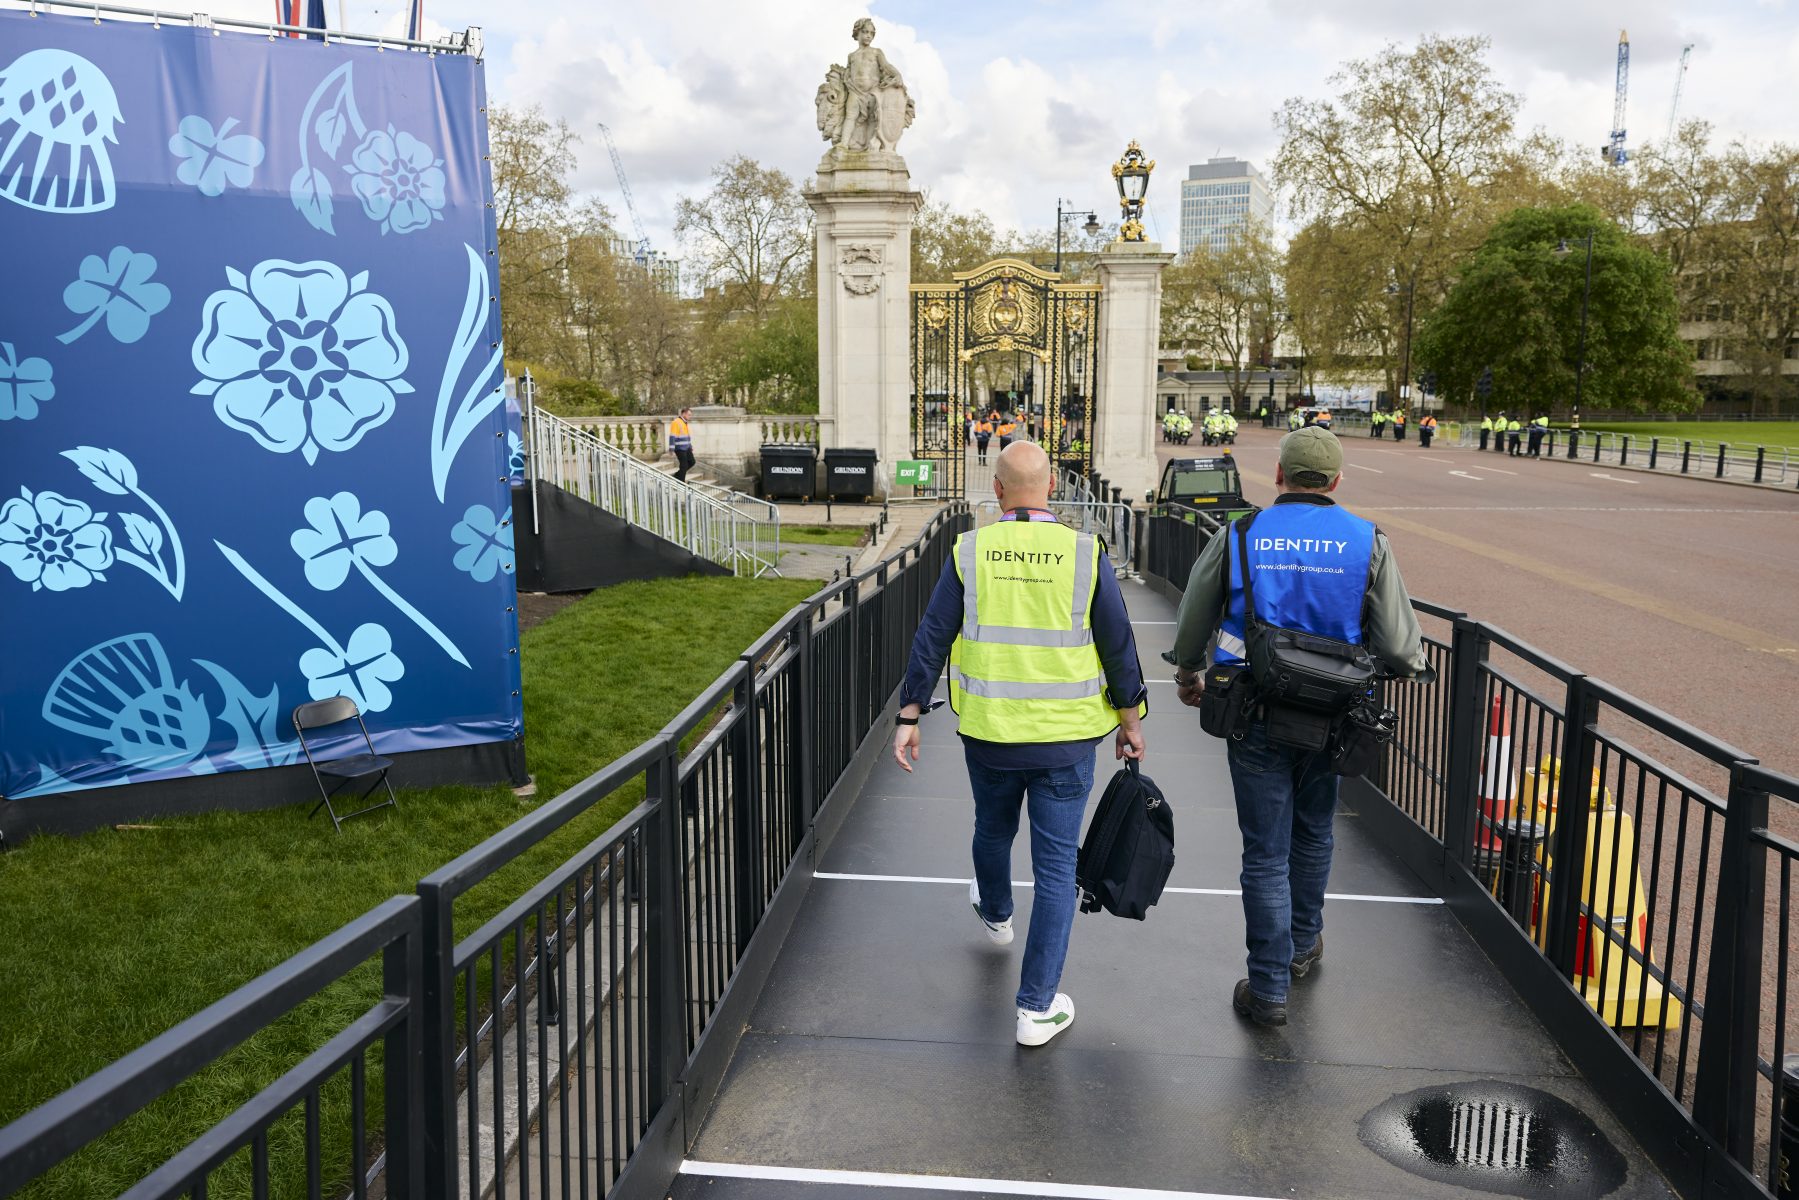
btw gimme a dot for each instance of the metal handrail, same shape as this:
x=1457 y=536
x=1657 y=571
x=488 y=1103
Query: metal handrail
x=574 y=459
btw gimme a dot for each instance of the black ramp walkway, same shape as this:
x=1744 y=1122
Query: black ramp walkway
x=880 y=1058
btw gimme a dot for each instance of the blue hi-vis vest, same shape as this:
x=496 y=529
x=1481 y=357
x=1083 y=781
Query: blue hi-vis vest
x=1311 y=563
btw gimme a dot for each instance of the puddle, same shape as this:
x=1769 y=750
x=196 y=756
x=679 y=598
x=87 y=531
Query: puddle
x=1495 y=1137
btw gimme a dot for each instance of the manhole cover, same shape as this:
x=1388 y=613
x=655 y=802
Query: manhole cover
x=1495 y=1137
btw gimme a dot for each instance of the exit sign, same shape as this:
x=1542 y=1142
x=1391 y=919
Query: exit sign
x=914 y=473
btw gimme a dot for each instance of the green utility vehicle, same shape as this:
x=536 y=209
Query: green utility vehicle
x=1208 y=485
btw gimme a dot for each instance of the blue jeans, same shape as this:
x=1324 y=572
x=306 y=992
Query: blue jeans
x=1058 y=798
x=1286 y=800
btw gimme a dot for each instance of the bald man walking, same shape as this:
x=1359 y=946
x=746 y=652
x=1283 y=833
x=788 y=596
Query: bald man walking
x=1042 y=666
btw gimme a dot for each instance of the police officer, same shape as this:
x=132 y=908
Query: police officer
x=1486 y=430
x=1427 y=429
x=983 y=433
x=1376 y=419
x=680 y=440
x=1499 y=432
x=1042 y=666
x=1539 y=428
x=1321 y=569
x=1514 y=435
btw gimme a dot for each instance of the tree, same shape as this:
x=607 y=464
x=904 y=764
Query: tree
x=1337 y=306
x=750 y=236
x=945 y=241
x=1413 y=158
x=1728 y=224
x=1516 y=309
x=778 y=360
x=1222 y=303
x=1760 y=262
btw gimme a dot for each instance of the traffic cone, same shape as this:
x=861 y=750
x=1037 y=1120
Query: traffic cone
x=1495 y=780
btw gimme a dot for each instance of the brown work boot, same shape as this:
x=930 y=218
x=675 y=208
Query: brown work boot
x=1262 y=1012
x=1305 y=962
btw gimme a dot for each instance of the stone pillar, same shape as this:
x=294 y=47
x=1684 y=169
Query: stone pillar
x=864 y=204
x=1130 y=324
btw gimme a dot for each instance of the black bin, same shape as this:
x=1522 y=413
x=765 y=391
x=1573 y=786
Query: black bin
x=1509 y=868
x=849 y=474
x=788 y=472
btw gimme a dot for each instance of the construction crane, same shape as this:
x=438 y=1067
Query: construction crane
x=1680 y=77
x=643 y=254
x=1614 y=148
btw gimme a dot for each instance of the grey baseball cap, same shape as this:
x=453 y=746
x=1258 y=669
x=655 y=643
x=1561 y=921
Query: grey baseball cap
x=1311 y=457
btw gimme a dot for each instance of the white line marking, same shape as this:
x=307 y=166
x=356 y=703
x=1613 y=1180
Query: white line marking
x=1614 y=478
x=1499 y=471
x=946 y=1183
x=1433 y=458
x=1178 y=891
x=1360 y=467
x=1465 y=475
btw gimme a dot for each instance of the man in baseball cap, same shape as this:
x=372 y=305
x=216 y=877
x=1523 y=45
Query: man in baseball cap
x=1316 y=567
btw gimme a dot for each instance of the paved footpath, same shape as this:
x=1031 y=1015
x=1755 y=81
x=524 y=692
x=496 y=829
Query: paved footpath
x=880 y=1059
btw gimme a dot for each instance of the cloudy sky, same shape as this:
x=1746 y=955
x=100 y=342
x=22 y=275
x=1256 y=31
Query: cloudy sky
x=1024 y=101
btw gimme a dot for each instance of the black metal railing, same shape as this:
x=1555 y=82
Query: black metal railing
x=314 y=1125
x=1673 y=919
x=539 y=1052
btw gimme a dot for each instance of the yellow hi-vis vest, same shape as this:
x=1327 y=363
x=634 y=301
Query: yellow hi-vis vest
x=1024 y=667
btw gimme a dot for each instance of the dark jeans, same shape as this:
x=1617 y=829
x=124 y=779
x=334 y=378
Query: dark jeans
x=1058 y=798
x=685 y=458
x=1286 y=800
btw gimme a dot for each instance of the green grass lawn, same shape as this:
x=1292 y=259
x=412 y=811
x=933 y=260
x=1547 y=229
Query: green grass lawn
x=114 y=937
x=1737 y=433
x=825 y=535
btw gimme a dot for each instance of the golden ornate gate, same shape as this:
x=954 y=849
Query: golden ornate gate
x=1007 y=307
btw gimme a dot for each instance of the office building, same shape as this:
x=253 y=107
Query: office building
x=1217 y=195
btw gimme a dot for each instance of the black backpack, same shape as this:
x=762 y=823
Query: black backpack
x=1129 y=848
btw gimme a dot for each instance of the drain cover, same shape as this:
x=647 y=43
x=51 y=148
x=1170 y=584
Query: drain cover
x=1495 y=1137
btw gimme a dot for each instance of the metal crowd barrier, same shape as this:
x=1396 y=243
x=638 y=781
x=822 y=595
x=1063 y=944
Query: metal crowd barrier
x=1659 y=898
x=555 y=1047
x=1677 y=456
x=575 y=460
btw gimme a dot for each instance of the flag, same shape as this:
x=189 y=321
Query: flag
x=415 y=20
x=315 y=14
x=289 y=12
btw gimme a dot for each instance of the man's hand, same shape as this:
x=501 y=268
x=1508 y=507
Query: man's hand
x=1129 y=742
x=905 y=738
x=1189 y=687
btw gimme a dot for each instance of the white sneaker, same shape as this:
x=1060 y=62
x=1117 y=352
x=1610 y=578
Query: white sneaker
x=999 y=931
x=1036 y=1028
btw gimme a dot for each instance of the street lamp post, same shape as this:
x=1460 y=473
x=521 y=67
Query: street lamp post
x=1586 y=294
x=1090 y=228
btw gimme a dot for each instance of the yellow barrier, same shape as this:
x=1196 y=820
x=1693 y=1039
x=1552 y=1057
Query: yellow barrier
x=1631 y=997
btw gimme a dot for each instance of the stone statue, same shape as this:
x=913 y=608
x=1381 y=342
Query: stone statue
x=863 y=105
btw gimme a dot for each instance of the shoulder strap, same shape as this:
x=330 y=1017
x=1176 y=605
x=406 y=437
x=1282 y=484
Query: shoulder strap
x=1249 y=593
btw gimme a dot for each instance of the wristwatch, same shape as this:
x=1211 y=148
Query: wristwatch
x=905 y=720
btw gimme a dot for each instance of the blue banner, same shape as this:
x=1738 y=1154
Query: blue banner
x=253 y=442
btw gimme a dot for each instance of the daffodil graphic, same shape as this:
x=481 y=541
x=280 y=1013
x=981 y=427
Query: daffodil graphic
x=118 y=288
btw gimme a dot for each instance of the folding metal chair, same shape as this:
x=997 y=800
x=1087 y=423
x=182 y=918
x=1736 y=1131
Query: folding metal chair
x=348 y=770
